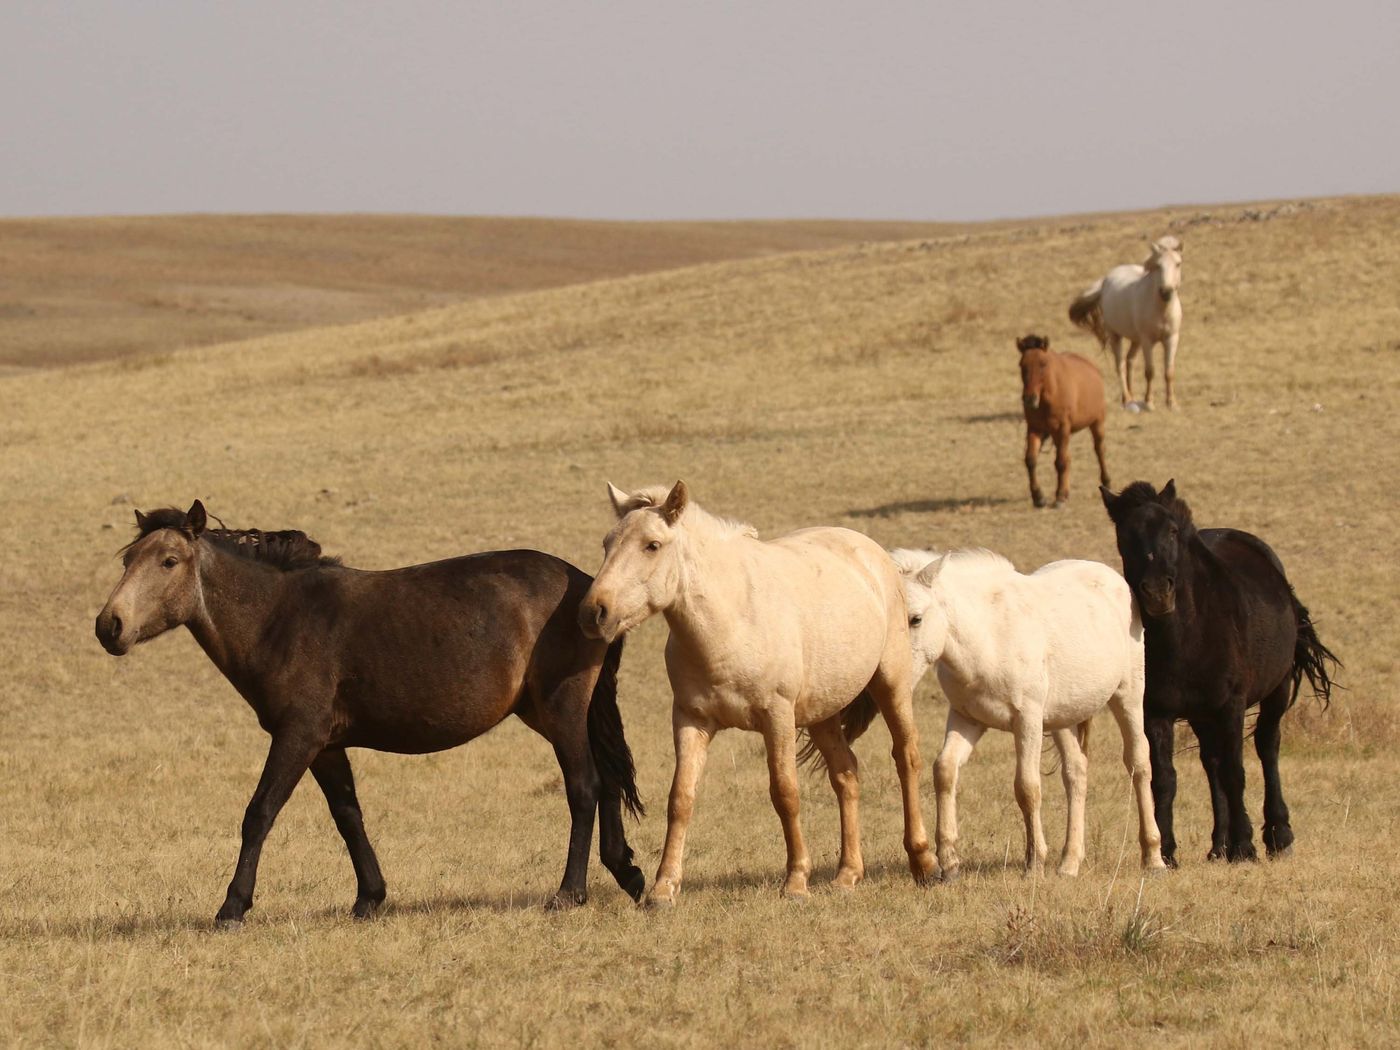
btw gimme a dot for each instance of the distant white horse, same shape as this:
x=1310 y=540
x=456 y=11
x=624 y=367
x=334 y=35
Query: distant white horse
x=1026 y=654
x=1141 y=304
x=766 y=636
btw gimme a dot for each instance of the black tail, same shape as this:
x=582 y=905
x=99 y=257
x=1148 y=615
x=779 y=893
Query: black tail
x=855 y=720
x=1312 y=660
x=611 y=754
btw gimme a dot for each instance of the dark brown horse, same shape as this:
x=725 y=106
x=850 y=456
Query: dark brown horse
x=1223 y=632
x=1060 y=394
x=410 y=660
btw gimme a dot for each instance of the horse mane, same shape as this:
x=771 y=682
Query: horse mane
x=1033 y=342
x=697 y=516
x=911 y=562
x=284 y=549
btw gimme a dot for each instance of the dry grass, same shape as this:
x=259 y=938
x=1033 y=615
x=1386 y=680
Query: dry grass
x=873 y=386
x=91 y=289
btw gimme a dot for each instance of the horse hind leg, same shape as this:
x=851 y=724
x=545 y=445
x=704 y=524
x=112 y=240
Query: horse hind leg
x=845 y=782
x=331 y=768
x=1121 y=365
x=1096 y=431
x=1074 y=772
x=1148 y=372
x=1278 y=833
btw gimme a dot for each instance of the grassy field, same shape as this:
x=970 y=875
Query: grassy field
x=88 y=289
x=873 y=386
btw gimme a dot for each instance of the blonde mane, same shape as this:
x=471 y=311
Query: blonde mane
x=696 y=516
x=911 y=562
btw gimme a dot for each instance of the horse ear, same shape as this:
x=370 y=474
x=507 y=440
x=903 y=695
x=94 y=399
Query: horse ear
x=140 y=520
x=930 y=572
x=195 y=518
x=1168 y=492
x=619 y=499
x=675 y=503
x=1110 y=501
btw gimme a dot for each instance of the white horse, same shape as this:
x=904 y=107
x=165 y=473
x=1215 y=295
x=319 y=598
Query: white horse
x=1141 y=304
x=766 y=636
x=1026 y=654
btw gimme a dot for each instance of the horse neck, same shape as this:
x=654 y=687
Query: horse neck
x=706 y=615
x=237 y=598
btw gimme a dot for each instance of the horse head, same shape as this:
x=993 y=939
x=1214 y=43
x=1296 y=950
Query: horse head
x=1035 y=361
x=641 y=570
x=1165 y=262
x=159 y=587
x=1153 y=530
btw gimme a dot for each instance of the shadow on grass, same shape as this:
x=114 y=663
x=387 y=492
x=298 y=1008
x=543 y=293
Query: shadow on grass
x=995 y=417
x=929 y=506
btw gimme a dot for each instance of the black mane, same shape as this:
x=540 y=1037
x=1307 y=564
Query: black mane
x=285 y=549
x=1141 y=493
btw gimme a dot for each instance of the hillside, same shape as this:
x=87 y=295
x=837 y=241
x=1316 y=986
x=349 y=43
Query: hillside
x=870 y=385
x=86 y=289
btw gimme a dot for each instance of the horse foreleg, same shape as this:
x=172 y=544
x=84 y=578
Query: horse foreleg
x=287 y=760
x=780 y=740
x=1096 y=430
x=1074 y=772
x=1126 y=705
x=1148 y=372
x=1033 y=440
x=1161 y=743
x=1120 y=364
x=1208 y=737
x=692 y=739
x=1169 y=366
x=1278 y=834
x=582 y=788
x=896 y=704
x=841 y=770
x=959 y=738
x=1240 y=845
x=331 y=768
x=1062 y=467
x=1029 y=732
x=1127 y=374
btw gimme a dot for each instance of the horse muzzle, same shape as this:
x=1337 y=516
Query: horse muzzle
x=109 y=633
x=1031 y=401
x=1159 y=601
x=593 y=621
x=1167 y=294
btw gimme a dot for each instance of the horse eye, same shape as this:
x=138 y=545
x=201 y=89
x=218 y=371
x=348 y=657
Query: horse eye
x=653 y=547
x=914 y=621
x=171 y=562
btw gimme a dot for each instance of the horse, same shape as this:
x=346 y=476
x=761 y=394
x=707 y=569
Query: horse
x=409 y=660
x=1224 y=632
x=1140 y=304
x=1026 y=655
x=768 y=636
x=1061 y=394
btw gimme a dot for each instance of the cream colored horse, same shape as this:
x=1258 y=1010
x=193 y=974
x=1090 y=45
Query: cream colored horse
x=765 y=636
x=1140 y=304
x=1026 y=654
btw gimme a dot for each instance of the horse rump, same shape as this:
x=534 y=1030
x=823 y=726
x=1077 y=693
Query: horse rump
x=1087 y=312
x=611 y=755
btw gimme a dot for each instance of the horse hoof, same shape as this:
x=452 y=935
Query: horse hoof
x=1068 y=871
x=951 y=875
x=1216 y=853
x=228 y=925
x=846 y=881
x=366 y=909
x=1038 y=502
x=796 y=896
x=1169 y=859
x=653 y=902
x=1279 y=854
x=1059 y=503
x=1148 y=406
x=1156 y=871
x=634 y=883
x=1132 y=406
x=1245 y=854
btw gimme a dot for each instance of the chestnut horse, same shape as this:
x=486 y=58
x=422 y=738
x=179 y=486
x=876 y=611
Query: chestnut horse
x=1060 y=395
x=407 y=660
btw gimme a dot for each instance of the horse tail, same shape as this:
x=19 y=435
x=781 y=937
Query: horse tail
x=855 y=720
x=611 y=755
x=1311 y=659
x=1087 y=311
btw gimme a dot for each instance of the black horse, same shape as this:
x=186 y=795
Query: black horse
x=1224 y=631
x=410 y=660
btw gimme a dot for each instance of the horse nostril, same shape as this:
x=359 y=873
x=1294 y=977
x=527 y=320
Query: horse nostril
x=601 y=616
x=114 y=628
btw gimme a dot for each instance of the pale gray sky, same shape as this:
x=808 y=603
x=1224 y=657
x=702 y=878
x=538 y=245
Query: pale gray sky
x=627 y=109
